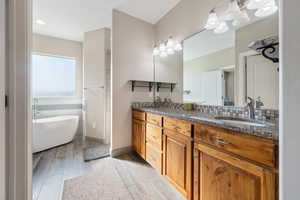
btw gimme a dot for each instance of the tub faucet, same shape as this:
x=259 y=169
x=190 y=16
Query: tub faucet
x=35 y=109
x=250 y=106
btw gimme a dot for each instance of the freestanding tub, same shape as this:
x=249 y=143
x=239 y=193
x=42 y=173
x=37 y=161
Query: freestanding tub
x=54 y=131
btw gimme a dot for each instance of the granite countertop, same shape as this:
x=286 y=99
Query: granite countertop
x=269 y=131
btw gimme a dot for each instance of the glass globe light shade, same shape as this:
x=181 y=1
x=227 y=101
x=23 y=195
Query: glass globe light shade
x=257 y=4
x=170 y=51
x=222 y=28
x=178 y=46
x=163 y=54
x=233 y=11
x=162 y=47
x=156 y=51
x=242 y=19
x=213 y=21
x=170 y=43
x=267 y=10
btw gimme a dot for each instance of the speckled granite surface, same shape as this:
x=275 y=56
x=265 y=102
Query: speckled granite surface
x=269 y=131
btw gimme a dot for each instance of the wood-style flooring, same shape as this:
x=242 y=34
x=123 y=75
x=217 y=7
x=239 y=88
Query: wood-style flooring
x=66 y=162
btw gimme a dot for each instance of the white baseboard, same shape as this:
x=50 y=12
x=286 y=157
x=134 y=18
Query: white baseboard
x=120 y=151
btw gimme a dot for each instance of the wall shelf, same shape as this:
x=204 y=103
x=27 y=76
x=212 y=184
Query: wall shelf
x=151 y=84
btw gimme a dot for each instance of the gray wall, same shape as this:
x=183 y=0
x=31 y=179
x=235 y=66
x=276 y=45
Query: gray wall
x=132 y=45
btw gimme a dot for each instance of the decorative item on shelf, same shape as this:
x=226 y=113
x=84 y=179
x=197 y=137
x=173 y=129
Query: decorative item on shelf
x=166 y=48
x=237 y=13
x=188 y=106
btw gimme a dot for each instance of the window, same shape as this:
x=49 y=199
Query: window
x=53 y=76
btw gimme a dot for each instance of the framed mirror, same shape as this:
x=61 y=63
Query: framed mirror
x=228 y=68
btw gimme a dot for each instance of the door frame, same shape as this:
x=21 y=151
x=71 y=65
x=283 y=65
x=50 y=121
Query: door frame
x=2 y=100
x=19 y=120
x=241 y=82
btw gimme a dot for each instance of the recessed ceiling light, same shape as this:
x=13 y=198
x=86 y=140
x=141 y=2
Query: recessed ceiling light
x=40 y=22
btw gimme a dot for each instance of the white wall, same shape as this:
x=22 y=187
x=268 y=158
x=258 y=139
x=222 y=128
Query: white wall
x=132 y=45
x=289 y=100
x=96 y=45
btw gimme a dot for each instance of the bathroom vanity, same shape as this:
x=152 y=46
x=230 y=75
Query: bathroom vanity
x=227 y=148
x=207 y=158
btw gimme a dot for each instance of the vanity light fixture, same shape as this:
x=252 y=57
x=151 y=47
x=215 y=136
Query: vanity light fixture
x=167 y=48
x=237 y=13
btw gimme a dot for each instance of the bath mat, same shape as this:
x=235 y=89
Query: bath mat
x=95 y=151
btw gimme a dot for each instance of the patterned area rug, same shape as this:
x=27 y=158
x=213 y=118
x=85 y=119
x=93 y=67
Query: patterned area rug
x=104 y=184
x=127 y=177
x=95 y=151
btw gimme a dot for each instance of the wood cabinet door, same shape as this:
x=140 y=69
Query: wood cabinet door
x=178 y=162
x=138 y=137
x=220 y=176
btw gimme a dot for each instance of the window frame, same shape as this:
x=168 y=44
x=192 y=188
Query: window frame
x=77 y=93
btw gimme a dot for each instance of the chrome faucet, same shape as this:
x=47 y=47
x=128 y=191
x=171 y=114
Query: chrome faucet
x=250 y=106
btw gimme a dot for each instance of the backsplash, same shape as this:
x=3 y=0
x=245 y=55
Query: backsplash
x=260 y=114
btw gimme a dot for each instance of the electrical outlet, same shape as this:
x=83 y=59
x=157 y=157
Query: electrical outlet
x=94 y=125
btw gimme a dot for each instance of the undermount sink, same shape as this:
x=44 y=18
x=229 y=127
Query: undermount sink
x=242 y=121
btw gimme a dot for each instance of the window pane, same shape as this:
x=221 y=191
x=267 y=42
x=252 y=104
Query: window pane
x=53 y=76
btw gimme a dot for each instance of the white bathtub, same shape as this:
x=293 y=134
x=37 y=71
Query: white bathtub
x=54 y=131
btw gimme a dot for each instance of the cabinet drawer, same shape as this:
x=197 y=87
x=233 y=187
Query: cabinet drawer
x=154 y=119
x=139 y=115
x=179 y=126
x=154 y=135
x=154 y=157
x=257 y=149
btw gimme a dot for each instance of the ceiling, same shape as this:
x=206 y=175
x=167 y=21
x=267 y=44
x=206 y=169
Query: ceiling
x=69 y=19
